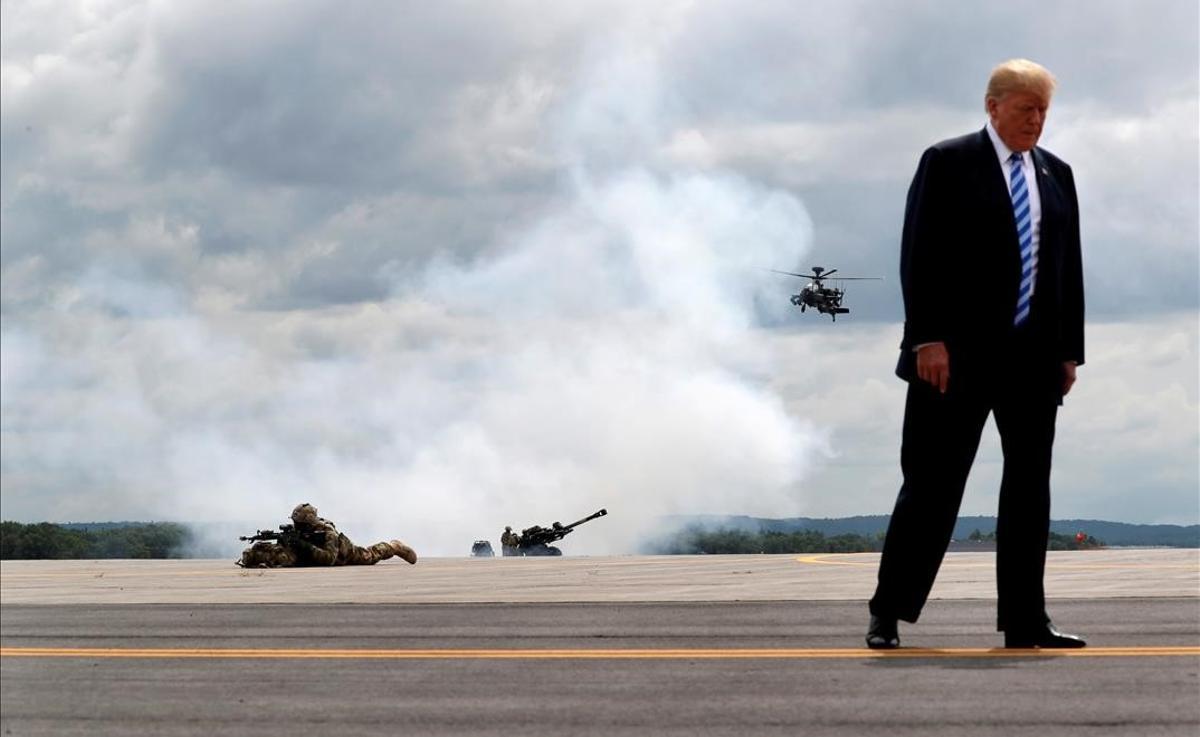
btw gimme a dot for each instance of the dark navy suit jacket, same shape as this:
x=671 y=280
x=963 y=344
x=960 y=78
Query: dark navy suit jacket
x=960 y=264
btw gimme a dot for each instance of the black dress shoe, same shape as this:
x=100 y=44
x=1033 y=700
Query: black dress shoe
x=1046 y=636
x=883 y=634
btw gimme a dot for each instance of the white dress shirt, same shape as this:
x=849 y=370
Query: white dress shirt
x=1035 y=197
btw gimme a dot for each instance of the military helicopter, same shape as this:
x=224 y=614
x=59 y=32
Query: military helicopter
x=826 y=300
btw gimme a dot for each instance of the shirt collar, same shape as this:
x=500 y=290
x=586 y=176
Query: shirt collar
x=1004 y=151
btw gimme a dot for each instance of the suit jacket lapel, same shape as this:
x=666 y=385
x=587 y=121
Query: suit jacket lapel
x=999 y=201
x=993 y=181
x=1052 y=203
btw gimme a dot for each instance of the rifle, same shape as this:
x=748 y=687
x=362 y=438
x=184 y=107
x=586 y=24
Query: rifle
x=286 y=535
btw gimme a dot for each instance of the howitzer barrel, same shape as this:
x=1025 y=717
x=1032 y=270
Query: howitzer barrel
x=535 y=536
x=588 y=518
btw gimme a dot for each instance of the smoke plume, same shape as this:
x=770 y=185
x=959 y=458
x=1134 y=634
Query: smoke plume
x=607 y=353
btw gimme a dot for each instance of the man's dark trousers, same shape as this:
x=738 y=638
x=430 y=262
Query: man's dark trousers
x=940 y=438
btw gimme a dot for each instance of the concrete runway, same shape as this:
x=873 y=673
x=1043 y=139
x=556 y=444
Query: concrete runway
x=183 y=656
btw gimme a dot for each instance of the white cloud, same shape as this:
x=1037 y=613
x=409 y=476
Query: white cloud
x=442 y=258
x=1128 y=441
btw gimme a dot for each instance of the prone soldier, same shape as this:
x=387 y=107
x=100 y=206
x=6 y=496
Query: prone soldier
x=313 y=541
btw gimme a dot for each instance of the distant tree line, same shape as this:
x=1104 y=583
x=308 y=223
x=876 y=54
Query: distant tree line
x=49 y=541
x=1057 y=541
x=696 y=541
x=1117 y=534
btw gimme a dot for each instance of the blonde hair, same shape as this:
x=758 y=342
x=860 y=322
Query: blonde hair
x=1020 y=75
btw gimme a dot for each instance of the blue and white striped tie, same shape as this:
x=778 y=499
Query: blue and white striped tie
x=1020 y=201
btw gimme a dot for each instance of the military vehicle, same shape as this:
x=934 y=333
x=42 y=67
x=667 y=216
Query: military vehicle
x=482 y=549
x=826 y=300
x=536 y=540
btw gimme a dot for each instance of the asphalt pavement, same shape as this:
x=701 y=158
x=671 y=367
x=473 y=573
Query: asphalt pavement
x=700 y=668
x=715 y=645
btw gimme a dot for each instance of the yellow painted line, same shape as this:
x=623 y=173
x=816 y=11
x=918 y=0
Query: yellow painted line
x=825 y=561
x=594 y=654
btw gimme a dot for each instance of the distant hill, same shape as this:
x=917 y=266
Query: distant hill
x=1111 y=533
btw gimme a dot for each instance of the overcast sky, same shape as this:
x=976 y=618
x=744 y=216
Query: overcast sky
x=441 y=267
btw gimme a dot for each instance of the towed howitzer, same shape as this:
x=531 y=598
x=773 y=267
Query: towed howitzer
x=536 y=540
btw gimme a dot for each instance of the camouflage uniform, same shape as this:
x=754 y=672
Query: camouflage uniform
x=509 y=541
x=268 y=555
x=319 y=544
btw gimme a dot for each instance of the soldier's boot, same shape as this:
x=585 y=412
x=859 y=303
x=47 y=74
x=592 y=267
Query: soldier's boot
x=403 y=551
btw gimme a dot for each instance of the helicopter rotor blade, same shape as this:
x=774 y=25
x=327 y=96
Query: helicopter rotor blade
x=792 y=273
x=826 y=275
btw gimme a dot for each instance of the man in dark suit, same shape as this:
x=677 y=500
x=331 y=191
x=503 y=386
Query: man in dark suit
x=993 y=298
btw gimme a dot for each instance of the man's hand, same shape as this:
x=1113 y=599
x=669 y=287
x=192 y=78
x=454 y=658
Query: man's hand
x=1068 y=376
x=933 y=365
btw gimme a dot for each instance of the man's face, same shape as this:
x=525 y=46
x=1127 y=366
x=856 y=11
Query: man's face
x=1018 y=118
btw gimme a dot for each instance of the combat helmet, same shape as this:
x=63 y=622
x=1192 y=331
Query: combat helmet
x=304 y=514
